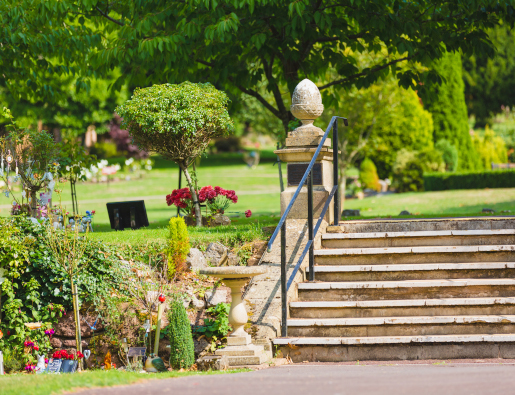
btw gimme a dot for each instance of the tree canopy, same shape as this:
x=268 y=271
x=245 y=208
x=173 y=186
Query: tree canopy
x=240 y=45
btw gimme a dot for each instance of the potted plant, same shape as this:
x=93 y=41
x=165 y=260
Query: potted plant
x=69 y=362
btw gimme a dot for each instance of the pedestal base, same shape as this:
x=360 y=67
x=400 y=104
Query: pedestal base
x=250 y=354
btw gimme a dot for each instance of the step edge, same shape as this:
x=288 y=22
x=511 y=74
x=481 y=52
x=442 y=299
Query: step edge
x=412 y=267
x=412 y=250
x=422 y=233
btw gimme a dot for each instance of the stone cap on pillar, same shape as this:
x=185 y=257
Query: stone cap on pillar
x=306 y=106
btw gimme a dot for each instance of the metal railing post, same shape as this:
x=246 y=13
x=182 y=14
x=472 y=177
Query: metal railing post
x=284 y=290
x=335 y=174
x=310 y=226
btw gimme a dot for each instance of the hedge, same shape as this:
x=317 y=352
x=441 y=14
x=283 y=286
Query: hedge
x=469 y=180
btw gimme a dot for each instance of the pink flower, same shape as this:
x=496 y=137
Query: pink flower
x=248 y=213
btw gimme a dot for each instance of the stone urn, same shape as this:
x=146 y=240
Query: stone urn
x=307 y=106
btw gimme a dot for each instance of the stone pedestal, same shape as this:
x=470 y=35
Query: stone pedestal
x=301 y=145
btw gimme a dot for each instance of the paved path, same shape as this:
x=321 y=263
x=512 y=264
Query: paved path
x=317 y=379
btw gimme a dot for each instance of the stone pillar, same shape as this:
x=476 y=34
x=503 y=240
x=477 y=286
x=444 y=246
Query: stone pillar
x=301 y=145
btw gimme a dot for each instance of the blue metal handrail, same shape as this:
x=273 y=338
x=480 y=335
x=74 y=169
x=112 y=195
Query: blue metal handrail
x=308 y=179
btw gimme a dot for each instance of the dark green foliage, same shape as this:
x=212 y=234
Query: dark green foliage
x=449 y=154
x=469 y=180
x=490 y=82
x=182 y=354
x=368 y=175
x=244 y=46
x=219 y=326
x=447 y=105
x=431 y=160
x=408 y=172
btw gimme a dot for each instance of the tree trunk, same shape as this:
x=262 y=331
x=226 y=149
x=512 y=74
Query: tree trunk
x=78 y=339
x=33 y=203
x=196 y=204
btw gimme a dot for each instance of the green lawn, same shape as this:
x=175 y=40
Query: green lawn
x=258 y=190
x=49 y=384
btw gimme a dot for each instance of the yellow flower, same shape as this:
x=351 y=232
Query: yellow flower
x=1 y=334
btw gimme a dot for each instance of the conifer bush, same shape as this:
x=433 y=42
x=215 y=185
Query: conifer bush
x=178 y=246
x=182 y=354
x=368 y=175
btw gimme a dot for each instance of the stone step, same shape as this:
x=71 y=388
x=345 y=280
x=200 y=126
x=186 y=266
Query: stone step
x=423 y=224
x=338 y=349
x=406 y=289
x=421 y=238
x=407 y=255
x=247 y=360
x=402 y=326
x=414 y=271
x=400 y=308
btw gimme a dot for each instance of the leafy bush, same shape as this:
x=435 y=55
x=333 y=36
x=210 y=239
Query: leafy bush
x=449 y=154
x=491 y=148
x=219 y=326
x=368 y=175
x=35 y=289
x=470 y=180
x=104 y=150
x=408 y=172
x=182 y=354
x=431 y=160
x=178 y=246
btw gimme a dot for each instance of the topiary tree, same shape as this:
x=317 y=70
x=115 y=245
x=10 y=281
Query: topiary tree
x=182 y=354
x=177 y=121
x=368 y=175
x=178 y=246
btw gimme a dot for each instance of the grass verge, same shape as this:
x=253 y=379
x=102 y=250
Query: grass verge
x=57 y=384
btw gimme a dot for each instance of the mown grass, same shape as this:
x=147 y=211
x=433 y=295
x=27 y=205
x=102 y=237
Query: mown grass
x=49 y=384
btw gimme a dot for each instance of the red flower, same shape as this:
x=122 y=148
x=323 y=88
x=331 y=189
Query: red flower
x=248 y=213
x=80 y=355
x=36 y=348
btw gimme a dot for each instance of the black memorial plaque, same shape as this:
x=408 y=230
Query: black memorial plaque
x=54 y=366
x=296 y=172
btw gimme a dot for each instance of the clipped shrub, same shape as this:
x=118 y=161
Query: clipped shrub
x=408 y=172
x=490 y=147
x=178 y=246
x=431 y=160
x=368 y=175
x=182 y=354
x=449 y=154
x=469 y=180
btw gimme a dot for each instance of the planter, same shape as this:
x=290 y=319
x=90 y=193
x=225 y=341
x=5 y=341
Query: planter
x=215 y=220
x=68 y=366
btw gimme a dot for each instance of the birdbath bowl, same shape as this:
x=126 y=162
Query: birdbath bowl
x=236 y=277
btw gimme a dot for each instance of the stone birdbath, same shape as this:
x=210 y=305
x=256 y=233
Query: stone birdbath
x=238 y=342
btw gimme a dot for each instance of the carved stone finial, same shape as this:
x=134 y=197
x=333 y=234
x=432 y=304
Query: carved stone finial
x=307 y=106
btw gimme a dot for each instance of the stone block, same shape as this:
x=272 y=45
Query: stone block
x=238 y=340
x=213 y=362
x=196 y=260
x=300 y=141
x=215 y=297
x=216 y=254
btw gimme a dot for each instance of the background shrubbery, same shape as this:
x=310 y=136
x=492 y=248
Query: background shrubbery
x=469 y=180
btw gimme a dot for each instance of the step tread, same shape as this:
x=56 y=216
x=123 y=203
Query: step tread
x=412 y=250
x=405 y=303
x=376 y=340
x=413 y=320
x=413 y=267
x=438 y=233
x=406 y=283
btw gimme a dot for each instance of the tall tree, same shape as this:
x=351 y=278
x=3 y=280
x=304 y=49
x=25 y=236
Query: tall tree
x=447 y=105
x=490 y=82
x=240 y=45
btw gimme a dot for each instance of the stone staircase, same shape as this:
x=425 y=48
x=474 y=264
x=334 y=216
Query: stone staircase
x=408 y=289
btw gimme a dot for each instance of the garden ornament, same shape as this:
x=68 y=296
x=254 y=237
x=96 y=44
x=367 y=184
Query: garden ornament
x=40 y=367
x=87 y=354
x=155 y=364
